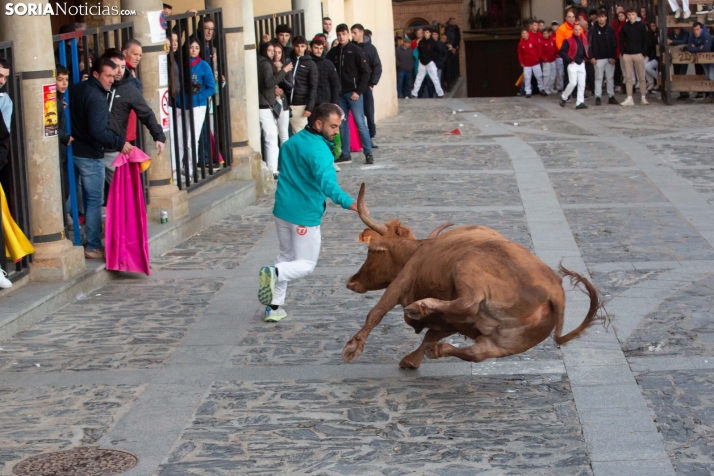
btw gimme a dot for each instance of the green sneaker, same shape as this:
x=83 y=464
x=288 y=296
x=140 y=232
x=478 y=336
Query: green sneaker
x=274 y=315
x=266 y=283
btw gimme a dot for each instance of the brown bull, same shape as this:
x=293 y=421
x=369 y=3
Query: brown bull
x=469 y=280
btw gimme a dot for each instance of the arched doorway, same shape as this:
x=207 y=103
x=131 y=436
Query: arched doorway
x=412 y=25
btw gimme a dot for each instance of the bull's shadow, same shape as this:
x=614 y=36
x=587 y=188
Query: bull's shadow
x=470 y=280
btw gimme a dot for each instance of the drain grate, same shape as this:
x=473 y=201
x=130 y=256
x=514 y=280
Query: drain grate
x=83 y=461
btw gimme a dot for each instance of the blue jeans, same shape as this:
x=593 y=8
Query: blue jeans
x=92 y=173
x=709 y=71
x=357 y=108
x=404 y=84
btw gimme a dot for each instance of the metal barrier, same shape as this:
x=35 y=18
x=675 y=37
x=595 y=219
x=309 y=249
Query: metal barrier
x=13 y=176
x=205 y=135
x=77 y=51
x=266 y=24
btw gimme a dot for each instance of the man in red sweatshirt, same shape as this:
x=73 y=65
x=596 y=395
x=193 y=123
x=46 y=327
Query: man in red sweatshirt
x=549 y=56
x=529 y=56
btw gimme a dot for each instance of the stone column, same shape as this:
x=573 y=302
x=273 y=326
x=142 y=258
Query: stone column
x=163 y=193
x=260 y=173
x=55 y=258
x=233 y=31
x=313 y=16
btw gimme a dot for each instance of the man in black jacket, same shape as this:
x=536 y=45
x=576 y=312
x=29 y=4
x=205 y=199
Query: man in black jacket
x=427 y=57
x=328 y=83
x=603 y=52
x=375 y=64
x=282 y=38
x=353 y=69
x=633 y=46
x=304 y=79
x=124 y=99
x=89 y=117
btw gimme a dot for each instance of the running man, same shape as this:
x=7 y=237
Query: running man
x=307 y=179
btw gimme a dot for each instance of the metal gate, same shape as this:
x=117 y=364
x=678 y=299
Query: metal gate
x=13 y=177
x=77 y=51
x=207 y=135
x=266 y=24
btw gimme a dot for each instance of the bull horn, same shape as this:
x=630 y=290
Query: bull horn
x=438 y=230
x=364 y=215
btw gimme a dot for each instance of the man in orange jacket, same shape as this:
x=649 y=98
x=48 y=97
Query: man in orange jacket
x=564 y=32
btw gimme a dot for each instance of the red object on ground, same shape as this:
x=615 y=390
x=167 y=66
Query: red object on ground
x=455 y=132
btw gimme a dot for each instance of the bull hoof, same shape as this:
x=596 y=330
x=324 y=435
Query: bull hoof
x=352 y=349
x=433 y=350
x=408 y=363
x=416 y=310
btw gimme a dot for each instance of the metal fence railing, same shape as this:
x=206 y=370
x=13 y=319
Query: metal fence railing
x=266 y=24
x=200 y=136
x=13 y=176
x=77 y=51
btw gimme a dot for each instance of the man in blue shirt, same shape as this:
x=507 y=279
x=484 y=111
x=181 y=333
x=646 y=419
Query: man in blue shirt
x=307 y=179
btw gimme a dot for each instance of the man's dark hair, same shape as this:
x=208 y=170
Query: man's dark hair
x=4 y=64
x=341 y=27
x=357 y=26
x=166 y=5
x=316 y=41
x=630 y=10
x=130 y=43
x=533 y=21
x=102 y=63
x=397 y=37
x=113 y=53
x=283 y=28
x=592 y=11
x=541 y=21
x=67 y=28
x=699 y=24
x=299 y=40
x=325 y=110
x=602 y=13
x=59 y=70
x=327 y=18
x=368 y=32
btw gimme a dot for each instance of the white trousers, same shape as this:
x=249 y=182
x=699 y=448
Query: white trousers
x=433 y=74
x=603 y=67
x=528 y=72
x=184 y=115
x=675 y=6
x=298 y=122
x=299 y=250
x=559 y=74
x=576 y=77
x=549 y=72
x=651 y=72
x=284 y=126
x=270 y=134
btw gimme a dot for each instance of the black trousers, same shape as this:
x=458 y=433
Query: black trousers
x=369 y=111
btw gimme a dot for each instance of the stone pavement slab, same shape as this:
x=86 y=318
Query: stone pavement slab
x=179 y=368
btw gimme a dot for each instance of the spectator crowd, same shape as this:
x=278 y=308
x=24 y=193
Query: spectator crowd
x=589 y=48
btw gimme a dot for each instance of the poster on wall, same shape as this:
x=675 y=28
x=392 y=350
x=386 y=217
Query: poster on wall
x=164 y=107
x=49 y=108
x=163 y=70
x=157 y=26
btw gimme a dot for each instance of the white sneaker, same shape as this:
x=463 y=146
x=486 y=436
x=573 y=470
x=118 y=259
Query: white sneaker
x=644 y=101
x=4 y=282
x=677 y=13
x=687 y=14
x=337 y=167
x=628 y=102
x=274 y=315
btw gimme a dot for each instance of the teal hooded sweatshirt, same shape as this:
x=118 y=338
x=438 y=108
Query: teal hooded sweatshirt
x=307 y=179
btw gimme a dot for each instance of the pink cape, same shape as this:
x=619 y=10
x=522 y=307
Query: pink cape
x=126 y=237
x=355 y=140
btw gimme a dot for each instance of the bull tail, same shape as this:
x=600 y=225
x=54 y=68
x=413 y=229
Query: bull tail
x=592 y=315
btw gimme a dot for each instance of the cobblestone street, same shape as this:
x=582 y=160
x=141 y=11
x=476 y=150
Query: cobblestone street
x=180 y=370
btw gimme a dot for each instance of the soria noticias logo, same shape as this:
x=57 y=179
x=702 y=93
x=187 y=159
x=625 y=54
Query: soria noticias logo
x=41 y=9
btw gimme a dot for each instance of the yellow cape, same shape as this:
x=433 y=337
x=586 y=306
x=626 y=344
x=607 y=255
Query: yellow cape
x=17 y=246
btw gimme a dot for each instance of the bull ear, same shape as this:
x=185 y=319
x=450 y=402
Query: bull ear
x=365 y=239
x=403 y=231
